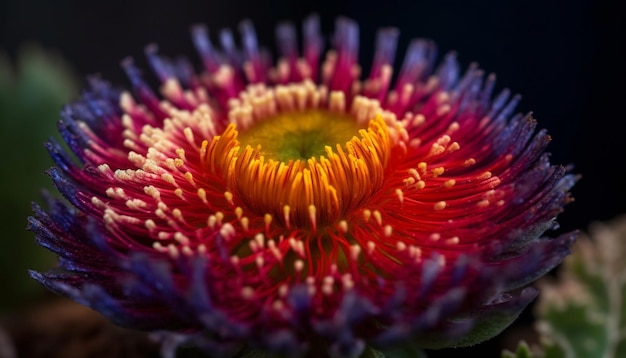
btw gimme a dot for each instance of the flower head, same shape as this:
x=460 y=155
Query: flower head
x=297 y=207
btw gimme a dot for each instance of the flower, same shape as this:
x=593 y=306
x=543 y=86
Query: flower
x=296 y=208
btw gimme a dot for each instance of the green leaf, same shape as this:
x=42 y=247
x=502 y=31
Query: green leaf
x=523 y=351
x=584 y=313
x=547 y=350
x=32 y=93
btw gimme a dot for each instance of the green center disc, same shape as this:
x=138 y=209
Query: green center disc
x=299 y=135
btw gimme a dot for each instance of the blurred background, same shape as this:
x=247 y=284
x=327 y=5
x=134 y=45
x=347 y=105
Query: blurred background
x=568 y=62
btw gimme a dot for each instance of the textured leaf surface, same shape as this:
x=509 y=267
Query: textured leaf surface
x=523 y=351
x=547 y=350
x=584 y=313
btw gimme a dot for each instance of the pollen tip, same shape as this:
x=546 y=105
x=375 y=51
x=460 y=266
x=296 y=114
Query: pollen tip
x=260 y=240
x=484 y=176
x=449 y=183
x=202 y=249
x=378 y=217
x=247 y=292
x=104 y=168
x=415 y=252
x=219 y=216
x=400 y=195
x=283 y=290
x=227 y=231
x=470 y=162
x=438 y=171
x=328 y=286
x=367 y=214
x=228 y=196
x=202 y=195
x=150 y=225
x=454 y=126
x=355 y=251
x=97 y=202
x=298 y=265
x=312 y=215
x=286 y=211
x=440 y=205
x=157 y=246
x=453 y=240
x=181 y=238
x=278 y=305
x=187 y=251
x=173 y=251
x=238 y=212
x=189 y=177
x=211 y=221
x=347 y=282
x=343 y=226
x=408 y=181
x=441 y=260
x=260 y=261
x=169 y=178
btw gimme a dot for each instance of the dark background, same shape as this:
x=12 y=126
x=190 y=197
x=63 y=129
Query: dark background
x=565 y=58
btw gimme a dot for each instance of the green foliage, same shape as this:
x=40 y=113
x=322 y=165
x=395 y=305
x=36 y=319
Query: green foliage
x=583 y=314
x=523 y=351
x=547 y=350
x=31 y=96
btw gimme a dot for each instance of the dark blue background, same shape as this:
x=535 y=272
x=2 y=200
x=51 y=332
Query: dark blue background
x=566 y=60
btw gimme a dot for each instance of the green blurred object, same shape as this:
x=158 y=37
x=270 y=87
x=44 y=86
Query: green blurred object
x=583 y=314
x=32 y=94
x=523 y=351
x=547 y=350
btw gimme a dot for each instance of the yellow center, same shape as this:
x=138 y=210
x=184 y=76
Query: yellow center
x=299 y=135
x=304 y=169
